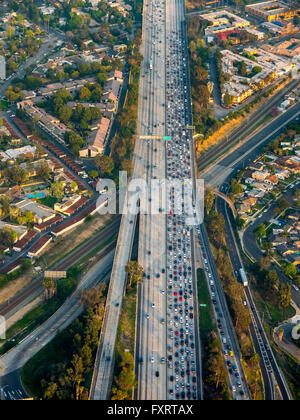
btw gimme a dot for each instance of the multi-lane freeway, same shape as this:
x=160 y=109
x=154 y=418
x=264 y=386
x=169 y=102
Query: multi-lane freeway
x=151 y=328
x=272 y=375
x=168 y=350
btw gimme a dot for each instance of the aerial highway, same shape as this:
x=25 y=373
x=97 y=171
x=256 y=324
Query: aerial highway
x=151 y=330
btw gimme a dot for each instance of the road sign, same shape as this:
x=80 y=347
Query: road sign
x=55 y=274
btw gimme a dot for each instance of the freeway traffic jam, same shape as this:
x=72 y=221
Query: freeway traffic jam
x=182 y=323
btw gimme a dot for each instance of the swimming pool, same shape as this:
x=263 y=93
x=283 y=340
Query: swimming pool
x=37 y=195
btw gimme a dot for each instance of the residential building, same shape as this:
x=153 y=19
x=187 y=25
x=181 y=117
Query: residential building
x=271 y=10
x=18 y=229
x=97 y=139
x=41 y=213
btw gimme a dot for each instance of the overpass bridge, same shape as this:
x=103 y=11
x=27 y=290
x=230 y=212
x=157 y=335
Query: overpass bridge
x=227 y=199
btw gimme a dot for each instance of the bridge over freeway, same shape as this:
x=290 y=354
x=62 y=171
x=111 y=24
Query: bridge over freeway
x=227 y=199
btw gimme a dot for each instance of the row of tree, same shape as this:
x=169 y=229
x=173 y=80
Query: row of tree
x=122 y=144
x=62 y=372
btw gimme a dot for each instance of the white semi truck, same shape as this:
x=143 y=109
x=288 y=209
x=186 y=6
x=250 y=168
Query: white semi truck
x=243 y=277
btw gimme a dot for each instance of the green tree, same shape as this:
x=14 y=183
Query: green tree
x=272 y=279
x=84 y=94
x=236 y=188
x=284 y=295
x=135 y=273
x=209 y=199
x=290 y=270
x=105 y=164
x=228 y=99
x=260 y=231
x=93 y=174
x=57 y=190
x=283 y=204
x=43 y=170
x=8 y=237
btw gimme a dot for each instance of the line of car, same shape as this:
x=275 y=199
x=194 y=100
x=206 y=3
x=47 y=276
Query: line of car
x=182 y=380
x=237 y=387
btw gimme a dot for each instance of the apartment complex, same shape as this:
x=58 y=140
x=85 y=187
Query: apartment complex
x=271 y=10
x=260 y=71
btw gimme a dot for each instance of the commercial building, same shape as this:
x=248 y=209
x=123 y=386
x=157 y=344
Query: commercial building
x=280 y=29
x=223 y=17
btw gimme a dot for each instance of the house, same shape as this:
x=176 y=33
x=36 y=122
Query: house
x=285 y=250
x=282 y=174
x=13 y=154
x=278 y=240
x=112 y=90
x=22 y=243
x=256 y=193
x=251 y=201
x=260 y=175
x=249 y=181
x=262 y=186
x=289 y=227
x=258 y=166
x=243 y=208
x=68 y=204
x=115 y=75
x=39 y=247
x=294 y=216
x=272 y=180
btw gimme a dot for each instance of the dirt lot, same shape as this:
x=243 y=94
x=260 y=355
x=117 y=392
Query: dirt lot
x=14 y=286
